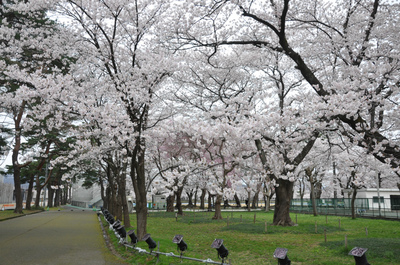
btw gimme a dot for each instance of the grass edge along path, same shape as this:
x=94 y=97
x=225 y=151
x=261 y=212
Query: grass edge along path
x=9 y=214
x=250 y=241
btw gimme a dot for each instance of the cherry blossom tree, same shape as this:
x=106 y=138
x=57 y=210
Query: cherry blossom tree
x=199 y=159
x=255 y=81
x=356 y=172
x=314 y=170
x=251 y=174
x=355 y=168
x=126 y=63
x=355 y=72
x=231 y=94
x=173 y=156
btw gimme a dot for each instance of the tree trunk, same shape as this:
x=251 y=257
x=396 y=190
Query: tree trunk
x=139 y=184
x=237 y=201
x=112 y=205
x=195 y=197
x=38 y=191
x=124 y=202
x=190 y=196
x=50 y=198
x=312 y=197
x=64 y=200
x=272 y=195
x=17 y=185
x=57 y=197
x=30 y=192
x=170 y=203
x=267 y=203
x=118 y=209
x=318 y=190
x=108 y=198
x=110 y=191
x=248 y=201
x=14 y=158
x=209 y=202
x=313 y=181
x=301 y=200
x=255 y=198
x=178 y=195
x=218 y=214
x=353 y=199
x=202 y=198
x=301 y=191
x=254 y=201
x=282 y=203
x=102 y=193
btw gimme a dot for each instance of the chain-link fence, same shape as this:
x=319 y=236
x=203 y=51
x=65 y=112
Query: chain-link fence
x=382 y=208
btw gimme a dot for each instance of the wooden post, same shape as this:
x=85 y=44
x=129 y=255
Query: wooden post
x=325 y=234
x=345 y=241
x=176 y=217
x=366 y=231
x=266 y=227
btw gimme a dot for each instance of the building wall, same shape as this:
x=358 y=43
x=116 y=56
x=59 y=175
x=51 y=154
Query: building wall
x=83 y=197
x=6 y=191
x=7 y=199
x=369 y=195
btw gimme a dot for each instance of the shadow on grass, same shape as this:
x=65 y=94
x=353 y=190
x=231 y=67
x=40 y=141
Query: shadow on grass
x=247 y=225
x=251 y=228
x=378 y=248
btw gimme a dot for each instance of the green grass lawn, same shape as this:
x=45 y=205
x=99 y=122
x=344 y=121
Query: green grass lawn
x=7 y=214
x=249 y=243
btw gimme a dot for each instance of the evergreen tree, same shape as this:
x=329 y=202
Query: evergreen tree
x=27 y=60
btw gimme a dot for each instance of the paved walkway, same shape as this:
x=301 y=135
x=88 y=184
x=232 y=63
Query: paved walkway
x=69 y=236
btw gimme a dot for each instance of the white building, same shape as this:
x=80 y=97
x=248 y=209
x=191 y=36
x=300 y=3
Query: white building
x=91 y=197
x=7 y=197
x=86 y=198
x=388 y=199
